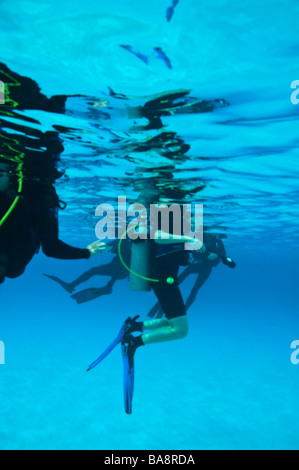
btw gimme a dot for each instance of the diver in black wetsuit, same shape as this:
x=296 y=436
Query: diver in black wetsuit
x=32 y=224
x=28 y=200
x=29 y=205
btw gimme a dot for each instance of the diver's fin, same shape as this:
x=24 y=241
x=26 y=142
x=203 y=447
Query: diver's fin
x=108 y=350
x=128 y=351
x=67 y=286
x=87 y=295
x=126 y=326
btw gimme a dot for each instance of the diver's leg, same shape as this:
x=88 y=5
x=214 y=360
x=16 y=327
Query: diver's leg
x=185 y=274
x=167 y=330
x=110 y=269
x=97 y=271
x=154 y=310
x=200 y=280
x=175 y=326
x=174 y=329
x=93 y=293
x=155 y=324
x=68 y=286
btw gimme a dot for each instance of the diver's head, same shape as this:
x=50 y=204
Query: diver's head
x=53 y=143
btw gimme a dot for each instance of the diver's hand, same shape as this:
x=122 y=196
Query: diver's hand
x=96 y=247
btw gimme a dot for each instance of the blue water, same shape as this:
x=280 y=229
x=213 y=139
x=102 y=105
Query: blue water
x=230 y=384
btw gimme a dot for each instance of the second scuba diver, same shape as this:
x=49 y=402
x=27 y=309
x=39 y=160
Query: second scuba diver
x=168 y=255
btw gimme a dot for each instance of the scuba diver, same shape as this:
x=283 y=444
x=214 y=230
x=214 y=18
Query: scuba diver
x=114 y=269
x=28 y=172
x=167 y=255
x=29 y=217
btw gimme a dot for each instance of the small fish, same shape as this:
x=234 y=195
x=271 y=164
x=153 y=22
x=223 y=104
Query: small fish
x=161 y=55
x=169 y=13
x=170 y=10
x=136 y=53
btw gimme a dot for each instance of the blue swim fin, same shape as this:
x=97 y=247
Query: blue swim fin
x=125 y=330
x=128 y=352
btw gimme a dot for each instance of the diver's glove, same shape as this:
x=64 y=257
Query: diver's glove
x=96 y=247
x=229 y=262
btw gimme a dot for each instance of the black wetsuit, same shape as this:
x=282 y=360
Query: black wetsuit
x=166 y=262
x=32 y=224
x=165 y=265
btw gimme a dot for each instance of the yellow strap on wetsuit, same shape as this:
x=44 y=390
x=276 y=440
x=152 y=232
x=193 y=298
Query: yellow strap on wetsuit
x=10 y=102
x=16 y=200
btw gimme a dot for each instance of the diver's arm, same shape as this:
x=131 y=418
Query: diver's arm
x=164 y=238
x=52 y=246
x=213 y=257
x=154 y=310
x=48 y=229
x=60 y=250
x=55 y=248
x=221 y=249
